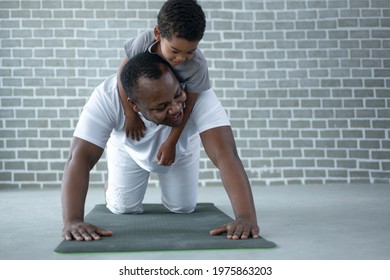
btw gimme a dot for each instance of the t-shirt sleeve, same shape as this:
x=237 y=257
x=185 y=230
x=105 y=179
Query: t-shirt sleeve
x=97 y=119
x=199 y=81
x=198 y=74
x=138 y=44
x=208 y=112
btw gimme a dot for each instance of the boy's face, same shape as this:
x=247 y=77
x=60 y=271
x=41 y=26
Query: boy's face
x=176 y=50
x=161 y=101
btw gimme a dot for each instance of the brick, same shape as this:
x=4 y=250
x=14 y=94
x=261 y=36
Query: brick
x=359 y=154
x=315 y=173
x=24 y=176
x=336 y=154
x=382 y=124
x=280 y=143
x=338 y=173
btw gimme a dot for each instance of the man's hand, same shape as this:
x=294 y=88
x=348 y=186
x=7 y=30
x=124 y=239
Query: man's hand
x=238 y=229
x=81 y=231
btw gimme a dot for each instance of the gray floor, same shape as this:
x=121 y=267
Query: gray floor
x=307 y=222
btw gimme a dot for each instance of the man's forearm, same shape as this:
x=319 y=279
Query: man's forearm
x=83 y=157
x=220 y=147
x=238 y=188
x=73 y=193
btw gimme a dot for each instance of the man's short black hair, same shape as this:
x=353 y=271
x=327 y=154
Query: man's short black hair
x=182 y=18
x=143 y=65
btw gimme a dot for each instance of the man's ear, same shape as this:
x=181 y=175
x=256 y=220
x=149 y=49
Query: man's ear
x=157 y=34
x=133 y=105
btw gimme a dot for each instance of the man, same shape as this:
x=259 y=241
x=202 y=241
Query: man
x=156 y=95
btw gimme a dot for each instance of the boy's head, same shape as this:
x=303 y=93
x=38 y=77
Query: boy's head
x=183 y=19
x=153 y=89
x=180 y=27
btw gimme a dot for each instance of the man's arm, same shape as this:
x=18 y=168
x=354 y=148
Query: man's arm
x=82 y=158
x=220 y=146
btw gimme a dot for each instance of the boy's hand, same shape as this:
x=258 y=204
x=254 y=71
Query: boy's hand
x=166 y=154
x=81 y=231
x=238 y=229
x=134 y=127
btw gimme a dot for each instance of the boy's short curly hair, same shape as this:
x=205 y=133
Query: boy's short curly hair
x=182 y=18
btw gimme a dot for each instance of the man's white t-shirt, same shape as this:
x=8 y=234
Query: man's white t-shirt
x=103 y=120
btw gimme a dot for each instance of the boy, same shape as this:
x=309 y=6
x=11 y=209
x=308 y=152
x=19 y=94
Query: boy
x=180 y=27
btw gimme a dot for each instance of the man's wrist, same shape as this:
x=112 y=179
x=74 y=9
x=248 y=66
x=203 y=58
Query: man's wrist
x=72 y=221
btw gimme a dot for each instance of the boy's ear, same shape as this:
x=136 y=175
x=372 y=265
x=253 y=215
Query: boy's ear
x=156 y=32
x=133 y=105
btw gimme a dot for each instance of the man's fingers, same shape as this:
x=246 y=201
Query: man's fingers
x=81 y=235
x=76 y=235
x=84 y=232
x=68 y=236
x=219 y=230
x=236 y=231
x=245 y=233
x=103 y=232
x=255 y=233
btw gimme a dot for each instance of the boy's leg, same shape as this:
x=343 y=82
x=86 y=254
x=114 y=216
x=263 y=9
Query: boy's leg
x=179 y=186
x=127 y=181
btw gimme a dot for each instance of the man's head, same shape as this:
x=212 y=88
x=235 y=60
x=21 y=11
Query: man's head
x=153 y=89
x=180 y=27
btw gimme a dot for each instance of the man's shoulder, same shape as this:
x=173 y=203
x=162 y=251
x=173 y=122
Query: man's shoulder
x=108 y=86
x=107 y=94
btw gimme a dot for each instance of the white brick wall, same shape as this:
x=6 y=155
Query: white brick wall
x=306 y=84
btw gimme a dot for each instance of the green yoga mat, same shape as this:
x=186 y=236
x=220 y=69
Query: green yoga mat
x=157 y=229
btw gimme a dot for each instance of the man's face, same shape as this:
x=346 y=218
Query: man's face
x=161 y=101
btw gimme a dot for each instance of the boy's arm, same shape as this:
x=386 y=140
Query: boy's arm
x=133 y=125
x=176 y=131
x=126 y=107
x=166 y=153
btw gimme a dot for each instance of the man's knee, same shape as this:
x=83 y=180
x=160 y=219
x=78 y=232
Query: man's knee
x=117 y=205
x=181 y=209
x=118 y=209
